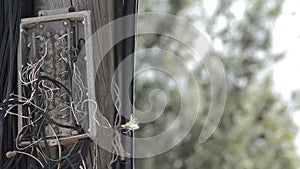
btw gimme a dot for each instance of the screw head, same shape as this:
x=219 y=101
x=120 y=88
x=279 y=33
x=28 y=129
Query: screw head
x=43 y=14
x=48 y=34
x=62 y=32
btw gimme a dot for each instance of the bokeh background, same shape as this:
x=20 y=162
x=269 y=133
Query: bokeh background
x=256 y=41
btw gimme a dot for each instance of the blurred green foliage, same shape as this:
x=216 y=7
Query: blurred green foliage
x=256 y=130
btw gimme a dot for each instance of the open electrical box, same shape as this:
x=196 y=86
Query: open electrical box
x=51 y=81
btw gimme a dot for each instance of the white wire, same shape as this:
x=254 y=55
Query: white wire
x=117 y=104
x=62 y=36
x=95 y=166
x=95 y=111
x=82 y=160
x=44 y=91
x=62 y=58
x=15 y=114
x=58 y=143
x=21 y=152
x=31 y=123
x=17 y=138
x=26 y=83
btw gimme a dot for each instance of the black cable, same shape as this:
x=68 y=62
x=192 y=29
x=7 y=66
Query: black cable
x=49 y=120
x=1 y=19
x=70 y=164
x=126 y=9
x=10 y=14
x=3 y=56
x=118 y=32
x=57 y=83
x=118 y=48
x=16 y=163
x=11 y=161
x=78 y=128
x=72 y=158
x=6 y=103
x=11 y=50
x=33 y=164
x=80 y=46
x=9 y=40
x=46 y=145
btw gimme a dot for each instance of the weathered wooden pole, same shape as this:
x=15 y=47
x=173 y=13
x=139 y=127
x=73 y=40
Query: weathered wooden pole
x=85 y=153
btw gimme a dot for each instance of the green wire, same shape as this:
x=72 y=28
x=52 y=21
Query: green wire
x=39 y=144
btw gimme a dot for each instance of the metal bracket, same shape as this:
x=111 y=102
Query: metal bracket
x=56 y=11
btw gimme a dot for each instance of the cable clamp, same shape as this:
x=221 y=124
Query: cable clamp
x=131 y=125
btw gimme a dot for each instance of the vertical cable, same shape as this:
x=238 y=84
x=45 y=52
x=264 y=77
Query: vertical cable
x=9 y=43
x=125 y=49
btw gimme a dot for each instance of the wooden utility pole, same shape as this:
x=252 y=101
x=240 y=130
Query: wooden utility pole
x=29 y=130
